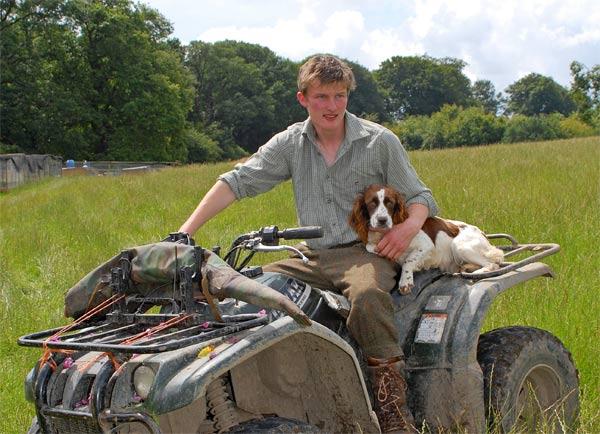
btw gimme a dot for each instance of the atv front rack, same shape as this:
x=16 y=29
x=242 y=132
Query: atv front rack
x=132 y=338
x=537 y=251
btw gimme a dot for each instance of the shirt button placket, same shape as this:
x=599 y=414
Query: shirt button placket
x=329 y=195
x=328 y=188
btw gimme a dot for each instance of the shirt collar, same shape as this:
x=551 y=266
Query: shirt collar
x=354 y=129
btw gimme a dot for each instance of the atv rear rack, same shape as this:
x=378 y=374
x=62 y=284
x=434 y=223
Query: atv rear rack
x=538 y=251
x=111 y=337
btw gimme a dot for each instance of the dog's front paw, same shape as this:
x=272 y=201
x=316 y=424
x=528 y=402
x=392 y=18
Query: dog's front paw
x=371 y=248
x=406 y=289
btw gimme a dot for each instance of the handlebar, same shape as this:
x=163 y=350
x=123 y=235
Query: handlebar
x=265 y=239
x=270 y=235
x=305 y=232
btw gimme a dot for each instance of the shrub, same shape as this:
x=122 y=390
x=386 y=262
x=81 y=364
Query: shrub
x=223 y=136
x=200 y=147
x=474 y=126
x=596 y=121
x=520 y=128
x=454 y=126
x=573 y=126
x=411 y=131
x=9 y=149
x=450 y=127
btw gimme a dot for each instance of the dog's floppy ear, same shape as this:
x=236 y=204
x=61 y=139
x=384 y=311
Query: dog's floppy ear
x=359 y=218
x=400 y=212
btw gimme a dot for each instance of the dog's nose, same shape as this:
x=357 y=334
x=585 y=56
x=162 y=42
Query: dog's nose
x=382 y=220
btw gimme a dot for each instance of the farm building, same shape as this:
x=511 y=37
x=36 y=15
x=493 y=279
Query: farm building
x=17 y=169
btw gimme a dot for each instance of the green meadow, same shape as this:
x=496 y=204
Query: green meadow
x=54 y=231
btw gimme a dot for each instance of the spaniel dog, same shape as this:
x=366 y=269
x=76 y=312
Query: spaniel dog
x=449 y=245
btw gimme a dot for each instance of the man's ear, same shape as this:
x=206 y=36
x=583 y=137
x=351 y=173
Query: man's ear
x=301 y=99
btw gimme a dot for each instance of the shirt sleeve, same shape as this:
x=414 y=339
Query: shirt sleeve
x=400 y=173
x=262 y=171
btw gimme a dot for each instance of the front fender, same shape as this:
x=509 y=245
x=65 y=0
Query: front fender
x=176 y=386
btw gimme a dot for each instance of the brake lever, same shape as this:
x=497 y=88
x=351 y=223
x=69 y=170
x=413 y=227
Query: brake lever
x=259 y=247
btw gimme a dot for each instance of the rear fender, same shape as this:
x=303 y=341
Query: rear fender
x=439 y=327
x=481 y=296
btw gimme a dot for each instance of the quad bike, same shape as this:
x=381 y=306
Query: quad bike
x=231 y=366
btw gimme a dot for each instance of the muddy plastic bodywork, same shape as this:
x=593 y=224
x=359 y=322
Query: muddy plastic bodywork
x=310 y=374
x=439 y=330
x=280 y=368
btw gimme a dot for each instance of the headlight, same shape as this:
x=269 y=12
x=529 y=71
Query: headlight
x=30 y=386
x=143 y=377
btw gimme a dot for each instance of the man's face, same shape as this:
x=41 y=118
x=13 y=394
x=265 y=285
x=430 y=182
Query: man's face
x=326 y=105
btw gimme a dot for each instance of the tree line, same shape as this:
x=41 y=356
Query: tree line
x=104 y=79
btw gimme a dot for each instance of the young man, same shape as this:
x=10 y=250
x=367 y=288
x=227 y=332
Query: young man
x=331 y=157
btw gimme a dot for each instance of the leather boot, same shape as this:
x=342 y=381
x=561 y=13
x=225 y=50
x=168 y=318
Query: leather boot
x=389 y=391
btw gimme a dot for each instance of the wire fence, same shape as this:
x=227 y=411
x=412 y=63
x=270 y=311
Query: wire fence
x=113 y=167
x=17 y=169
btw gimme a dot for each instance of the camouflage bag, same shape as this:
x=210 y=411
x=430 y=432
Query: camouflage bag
x=154 y=266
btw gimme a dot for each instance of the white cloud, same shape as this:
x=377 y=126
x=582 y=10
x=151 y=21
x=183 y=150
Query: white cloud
x=502 y=40
x=380 y=45
x=301 y=36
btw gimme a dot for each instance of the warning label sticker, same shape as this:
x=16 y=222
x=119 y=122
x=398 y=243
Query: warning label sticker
x=438 y=302
x=431 y=328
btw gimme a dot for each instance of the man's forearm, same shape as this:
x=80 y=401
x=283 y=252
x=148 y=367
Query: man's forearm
x=398 y=238
x=219 y=197
x=417 y=214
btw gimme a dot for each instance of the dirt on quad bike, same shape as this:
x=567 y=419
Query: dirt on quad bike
x=173 y=353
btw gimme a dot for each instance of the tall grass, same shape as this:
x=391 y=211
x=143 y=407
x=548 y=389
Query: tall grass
x=55 y=231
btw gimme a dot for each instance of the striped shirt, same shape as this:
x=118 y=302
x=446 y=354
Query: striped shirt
x=369 y=154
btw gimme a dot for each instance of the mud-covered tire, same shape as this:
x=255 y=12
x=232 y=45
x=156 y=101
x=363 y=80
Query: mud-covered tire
x=273 y=425
x=530 y=381
x=35 y=427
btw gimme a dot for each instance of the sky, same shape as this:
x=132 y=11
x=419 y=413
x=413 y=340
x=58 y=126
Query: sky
x=500 y=40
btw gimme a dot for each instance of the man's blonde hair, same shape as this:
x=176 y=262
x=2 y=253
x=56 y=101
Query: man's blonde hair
x=326 y=69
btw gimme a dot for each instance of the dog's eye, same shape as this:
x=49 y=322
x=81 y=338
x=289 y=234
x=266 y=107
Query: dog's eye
x=372 y=205
x=389 y=204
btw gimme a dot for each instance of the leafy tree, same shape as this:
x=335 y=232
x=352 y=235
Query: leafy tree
x=421 y=85
x=245 y=87
x=139 y=91
x=366 y=100
x=585 y=90
x=485 y=96
x=92 y=80
x=521 y=128
x=280 y=77
x=35 y=107
x=536 y=94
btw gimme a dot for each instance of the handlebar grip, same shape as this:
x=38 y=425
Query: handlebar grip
x=305 y=232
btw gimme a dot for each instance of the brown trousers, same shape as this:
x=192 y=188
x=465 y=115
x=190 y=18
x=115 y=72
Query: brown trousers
x=362 y=277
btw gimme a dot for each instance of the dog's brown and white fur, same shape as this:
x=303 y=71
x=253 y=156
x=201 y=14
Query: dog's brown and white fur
x=449 y=245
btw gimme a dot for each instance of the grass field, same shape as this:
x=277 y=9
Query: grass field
x=55 y=231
